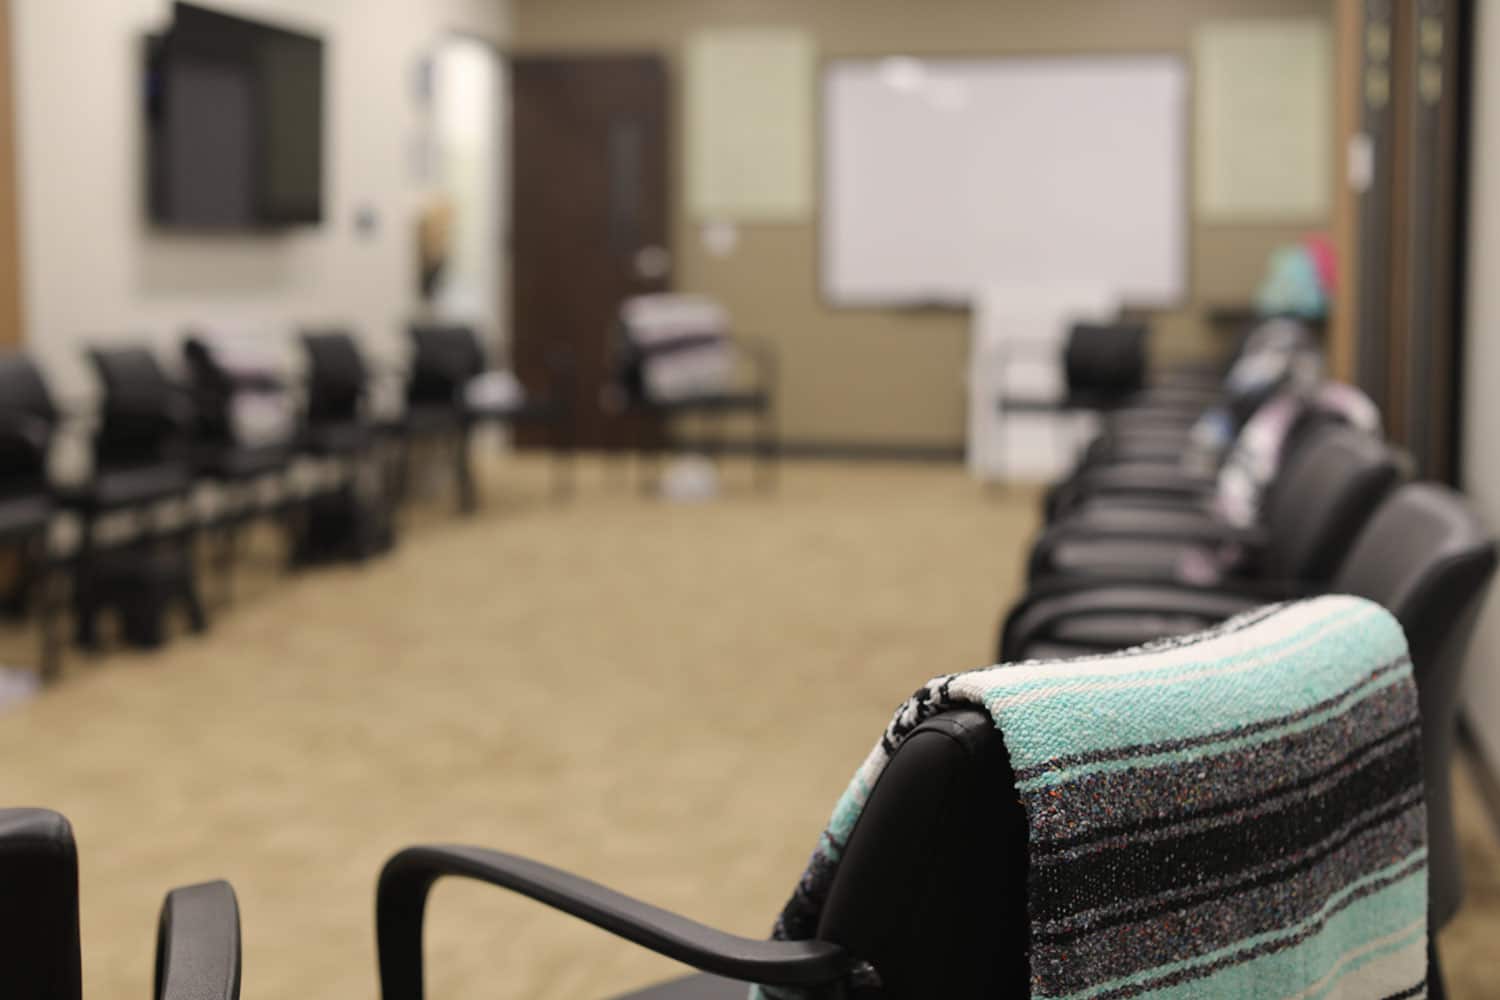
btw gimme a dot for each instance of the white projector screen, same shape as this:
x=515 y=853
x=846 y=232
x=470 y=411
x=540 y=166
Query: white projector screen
x=942 y=176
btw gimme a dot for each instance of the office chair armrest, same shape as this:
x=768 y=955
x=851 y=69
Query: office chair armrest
x=1110 y=522
x=1042 y=563
x=1150 y=479
x=407 y=878
x=198 y=944
x=1143 y=477
x=1038 y=618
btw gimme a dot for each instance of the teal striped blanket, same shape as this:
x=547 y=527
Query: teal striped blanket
x=1237 y=813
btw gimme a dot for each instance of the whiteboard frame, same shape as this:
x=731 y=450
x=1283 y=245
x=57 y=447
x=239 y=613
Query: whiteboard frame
x=1187 y=196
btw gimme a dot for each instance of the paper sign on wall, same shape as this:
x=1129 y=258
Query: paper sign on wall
x=750 y=96
x=1264 y=120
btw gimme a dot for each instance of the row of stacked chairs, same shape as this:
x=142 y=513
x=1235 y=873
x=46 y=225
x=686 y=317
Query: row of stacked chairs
x=1198 y=502
x=156 y=440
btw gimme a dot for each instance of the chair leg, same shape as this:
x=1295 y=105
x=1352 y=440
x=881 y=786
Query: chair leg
x=86 y=626
x=51 y=654
x=1436 y=989
x=463 y=468
x=187 y=539
x=768 y=461
x=564 y=457
x=226 y=556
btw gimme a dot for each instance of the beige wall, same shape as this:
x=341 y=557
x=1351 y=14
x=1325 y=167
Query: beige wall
x=892 y=377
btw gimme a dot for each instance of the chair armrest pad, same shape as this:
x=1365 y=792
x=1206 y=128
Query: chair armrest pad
x=1035 y=618
x=198 y=944
x=408 y=876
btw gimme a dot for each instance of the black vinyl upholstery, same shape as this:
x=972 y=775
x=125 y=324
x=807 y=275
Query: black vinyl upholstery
x=144 y=415
x=216 y=452
x=39 y=941
x=198 y=935
x=1105 y=363
x=444 y=358
x=1426 y=557
x=27 y=423
x=907 y=888
x=337 y=381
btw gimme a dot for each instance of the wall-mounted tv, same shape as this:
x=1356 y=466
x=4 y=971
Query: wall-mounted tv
x=235 y=112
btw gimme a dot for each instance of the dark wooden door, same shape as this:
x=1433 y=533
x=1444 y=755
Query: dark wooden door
x=590 y=219
x=1377 y=86
x=1433 y=146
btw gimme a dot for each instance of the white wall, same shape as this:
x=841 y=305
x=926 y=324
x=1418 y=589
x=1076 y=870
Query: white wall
x=1482 y=365
x=94 y=269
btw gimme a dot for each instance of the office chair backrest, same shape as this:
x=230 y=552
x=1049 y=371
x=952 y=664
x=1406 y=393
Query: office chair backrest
x=27 y=422
x=39 y=937
x=1428 y=560
x=1331 y=486
x=142 y=412
x=213 y=390
x=907 y=897
x=1105 y=363
x=444 y=358
x=336 y=376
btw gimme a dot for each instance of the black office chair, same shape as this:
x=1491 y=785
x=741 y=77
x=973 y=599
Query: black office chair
x=28 y=421
x=445 y=359
x=337 y=381
x=752 y=392
x=219 y=453
x=1424 y=556
x=354 y=519
x=198 y=934
x=141 y=464
x=1330 y=486
x=906 y=899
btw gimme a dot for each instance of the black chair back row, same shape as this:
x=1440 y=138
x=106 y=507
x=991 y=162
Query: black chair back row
x=337 y=376
x=1330 y=487
x=1426 y=558
x=28 y=420
x=144 y=414
x=444 y=358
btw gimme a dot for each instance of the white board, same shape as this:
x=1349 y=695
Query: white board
x=942 y=176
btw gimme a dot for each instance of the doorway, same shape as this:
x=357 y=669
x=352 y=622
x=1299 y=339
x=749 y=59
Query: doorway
x=590 y=221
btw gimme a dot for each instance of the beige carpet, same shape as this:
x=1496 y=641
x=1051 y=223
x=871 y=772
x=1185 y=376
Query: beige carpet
x=652 y=695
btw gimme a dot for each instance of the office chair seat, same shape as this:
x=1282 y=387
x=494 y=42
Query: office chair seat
x=240 y=464
x=131 y=486
x=338 y=440
x=433 y=418
x=23 y=516
x=717 y=402
x=1154 y=560
x=700 y=987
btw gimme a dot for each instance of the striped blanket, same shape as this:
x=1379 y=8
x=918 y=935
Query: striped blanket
x=1232 y=814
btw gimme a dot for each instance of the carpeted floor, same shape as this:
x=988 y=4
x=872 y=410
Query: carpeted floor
x=655 y=696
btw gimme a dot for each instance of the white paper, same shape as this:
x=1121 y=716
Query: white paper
x=1264 y=119
x=750 y=115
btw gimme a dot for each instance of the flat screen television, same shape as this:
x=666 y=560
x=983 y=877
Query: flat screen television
x=235 y=113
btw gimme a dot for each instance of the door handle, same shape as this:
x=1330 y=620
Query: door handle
x=653 y=263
